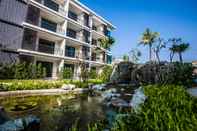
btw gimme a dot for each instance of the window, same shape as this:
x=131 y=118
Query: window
x=71 y=33
x=86 y=20
x=72 y=15
x=51 y=4
x=46 y=46
x=109 y=59
x=86 y=36
x=70 y=51
x=48 y=25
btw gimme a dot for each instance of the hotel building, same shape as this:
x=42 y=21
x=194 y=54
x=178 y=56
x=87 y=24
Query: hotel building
x=53 y=33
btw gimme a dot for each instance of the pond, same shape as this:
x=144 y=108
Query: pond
x=57 y=113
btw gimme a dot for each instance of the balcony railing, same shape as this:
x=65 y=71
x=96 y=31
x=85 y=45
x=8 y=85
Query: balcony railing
x=52 y=5
x=75 y=17
x=50 y=50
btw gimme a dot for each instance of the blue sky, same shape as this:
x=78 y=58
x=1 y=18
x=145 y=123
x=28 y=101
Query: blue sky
x=171 y=18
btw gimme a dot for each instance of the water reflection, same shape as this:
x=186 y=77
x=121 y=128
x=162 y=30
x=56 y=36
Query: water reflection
x=57 y=113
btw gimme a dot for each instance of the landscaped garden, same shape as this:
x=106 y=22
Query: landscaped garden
x=128 y=96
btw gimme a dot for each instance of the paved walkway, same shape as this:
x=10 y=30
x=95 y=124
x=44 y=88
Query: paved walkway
x=193 y=91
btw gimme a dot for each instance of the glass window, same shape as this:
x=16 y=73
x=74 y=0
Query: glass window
x=70 y=51
x=51 y=4
x=48 y=25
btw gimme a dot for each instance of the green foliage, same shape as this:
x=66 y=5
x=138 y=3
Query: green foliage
x=182 y=74
x=148 y=39
x=167 y=108
x=67 y=73
x=125 y=57
x=107 y=42
x=92 y=74
x=106 y=73
x=13 y=85
x=22 y=71
x=179 y=48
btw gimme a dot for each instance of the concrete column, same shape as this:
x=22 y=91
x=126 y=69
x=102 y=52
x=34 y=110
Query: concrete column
x=54 y=70
x=81 y=18
x=37 y=42
x=66 y=7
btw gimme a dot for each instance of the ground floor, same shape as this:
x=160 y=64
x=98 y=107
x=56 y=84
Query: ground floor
x=54 y=66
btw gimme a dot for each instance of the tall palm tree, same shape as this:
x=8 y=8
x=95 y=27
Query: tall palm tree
x=107 y=42
x=148 y=38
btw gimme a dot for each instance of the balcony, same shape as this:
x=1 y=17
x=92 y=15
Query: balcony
x=51 y=26
x=70 y=52
x=49 y=48
x=81 y=21
x=53 y=5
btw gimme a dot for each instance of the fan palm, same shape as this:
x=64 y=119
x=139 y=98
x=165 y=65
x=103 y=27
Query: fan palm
x=148 y=38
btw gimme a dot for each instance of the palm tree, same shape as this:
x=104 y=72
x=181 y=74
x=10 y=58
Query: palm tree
x=148 y=38
x=173 y=48
x=180 y=49
x=106 y=42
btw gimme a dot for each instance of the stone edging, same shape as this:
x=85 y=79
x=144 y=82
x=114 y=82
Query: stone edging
x=41 y=92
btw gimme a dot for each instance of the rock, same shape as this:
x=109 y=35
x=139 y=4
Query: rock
x=138 y=99
x=3 y=116
x=68 y=87
x=27 y=123
x=98 y=87
x=119 y=103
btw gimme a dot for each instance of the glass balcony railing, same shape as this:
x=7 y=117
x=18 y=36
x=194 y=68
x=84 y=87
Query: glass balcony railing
x=75 y=17
x=46 y=24
x=50 y=50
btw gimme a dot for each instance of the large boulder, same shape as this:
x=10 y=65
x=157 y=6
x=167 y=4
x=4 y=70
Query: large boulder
x=121 y=72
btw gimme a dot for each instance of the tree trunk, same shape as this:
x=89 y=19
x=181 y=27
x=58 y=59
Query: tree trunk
x=150 y=52
x=171 y=56
x=180 y=57
x=157 y=55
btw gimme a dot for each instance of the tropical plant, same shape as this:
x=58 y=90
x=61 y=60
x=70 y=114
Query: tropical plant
x=92 y=74
x=158 y=47
x=107 y=42
x=22 y=71
x=179 y=49
x=67 y=73
x=135 y=55
x=148 y=39
x=174 y=42
x=125 y=57
x=106 y=73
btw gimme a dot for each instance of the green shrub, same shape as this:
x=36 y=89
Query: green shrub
x=182 y=74
x=168 y=108
x=106 y=74
x=22 y=71
x=92 y=74
x=67 y=73
x=13 y=85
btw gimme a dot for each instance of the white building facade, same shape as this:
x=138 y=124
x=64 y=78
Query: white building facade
x=62 y=33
